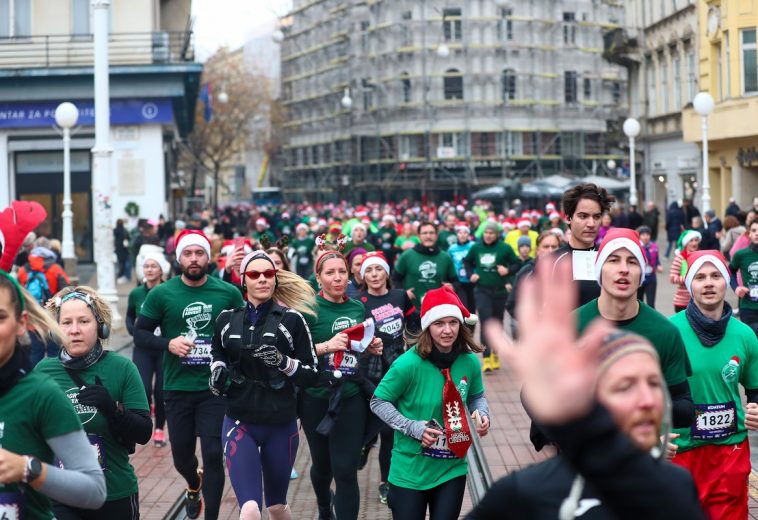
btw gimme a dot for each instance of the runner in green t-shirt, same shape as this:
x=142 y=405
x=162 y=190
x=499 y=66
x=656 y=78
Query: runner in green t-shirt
x=745 y=261
x=724 y=355
x=301 y=251
x=448 y=235
x=334 y=416
x=106 y=392
x=186 y=308
x=38 y=423
x=619 y=269
x=422 y=398
x=424 y=267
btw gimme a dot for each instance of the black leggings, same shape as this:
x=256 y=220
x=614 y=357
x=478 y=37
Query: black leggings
x=489 y=304
x=444 y=501
x=647 y=292
x=150 y=363
x=191 y=415
x=122 y=509
x=750 y=317
x=336 y=455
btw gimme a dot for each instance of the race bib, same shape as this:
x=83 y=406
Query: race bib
x=393 y=328
x=648 y=269
x=200 y=353
x=439 y=450
x=349 y=365
x=462 y=273
x=12 y=505
x=714 y=421
x=754 y=292
x=583 y=265
x=303 y=260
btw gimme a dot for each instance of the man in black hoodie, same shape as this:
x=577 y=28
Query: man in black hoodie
x=425 y=267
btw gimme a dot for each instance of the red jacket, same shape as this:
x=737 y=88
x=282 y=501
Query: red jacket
x=54 y=273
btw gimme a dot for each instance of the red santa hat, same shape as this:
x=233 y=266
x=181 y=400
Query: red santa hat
x=462 y=226
x=360 y=335
x=261 y=222
x=549 y=207
x=524 y=223
x=444 y=303
x=374 y=258
x=555 y=215
x=620 y=238
x=697 y=259
x=192 y=237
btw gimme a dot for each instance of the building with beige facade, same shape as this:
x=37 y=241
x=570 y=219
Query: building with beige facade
x=659 y=46
x=46 y=57
x=728 y=70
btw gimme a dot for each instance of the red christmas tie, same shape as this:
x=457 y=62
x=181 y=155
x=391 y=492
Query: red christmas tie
x=454 y=416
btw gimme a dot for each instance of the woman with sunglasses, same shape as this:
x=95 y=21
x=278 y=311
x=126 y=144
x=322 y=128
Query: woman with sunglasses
x=39 y=423
x=261 y=351
x=107 y=393
x=334 y=415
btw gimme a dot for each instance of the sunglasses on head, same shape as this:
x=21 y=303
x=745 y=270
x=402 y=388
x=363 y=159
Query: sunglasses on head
x=254 y=275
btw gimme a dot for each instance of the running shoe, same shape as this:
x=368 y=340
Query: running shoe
x=194 y=499
x=159 y=438
x=384 y=489
x=486 y=364
x=494 y=362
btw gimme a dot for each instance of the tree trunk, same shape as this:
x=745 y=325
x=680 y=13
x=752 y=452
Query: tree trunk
x=215 y=190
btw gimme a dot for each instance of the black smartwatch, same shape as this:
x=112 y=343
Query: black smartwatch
x=33 y=469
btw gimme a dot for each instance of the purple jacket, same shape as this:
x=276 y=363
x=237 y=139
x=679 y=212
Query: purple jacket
x=653 y=260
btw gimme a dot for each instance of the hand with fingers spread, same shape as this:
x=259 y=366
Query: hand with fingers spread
x=558 y=370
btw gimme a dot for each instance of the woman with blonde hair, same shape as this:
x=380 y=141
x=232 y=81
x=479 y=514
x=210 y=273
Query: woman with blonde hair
x=40 y=425
x=107 y=393
x=261 y=352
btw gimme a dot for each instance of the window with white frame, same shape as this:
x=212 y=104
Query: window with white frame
x=451 y=144
x=509 y=85
x=691 y=76
x=453 y=84
x=509 y=144
x=664 y=83
x=407 y=31
x=505 y=27
x=405 y=80
x=676 y=64
x=452 y=24
x=569 y=28
x=651 y=94
x=749 y=61
x=81 y=21
x=569 y=86
x=587 y=88
x=728 y=61
x=15 y=18
x=365 y=36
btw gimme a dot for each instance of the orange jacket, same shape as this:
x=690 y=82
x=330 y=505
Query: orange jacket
x=54 y=273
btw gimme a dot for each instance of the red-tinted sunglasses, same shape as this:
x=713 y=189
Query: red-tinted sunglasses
x=254 y=275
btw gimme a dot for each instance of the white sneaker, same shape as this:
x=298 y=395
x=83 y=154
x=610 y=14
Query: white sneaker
x=122 y=280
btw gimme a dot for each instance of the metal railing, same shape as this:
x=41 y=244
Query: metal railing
x=78 y=50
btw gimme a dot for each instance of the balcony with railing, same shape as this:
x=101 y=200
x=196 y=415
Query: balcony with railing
x=52 y=51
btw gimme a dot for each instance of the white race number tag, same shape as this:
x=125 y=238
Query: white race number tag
x=583 y=265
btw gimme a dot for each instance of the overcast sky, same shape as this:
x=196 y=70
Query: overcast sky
x=232 y=22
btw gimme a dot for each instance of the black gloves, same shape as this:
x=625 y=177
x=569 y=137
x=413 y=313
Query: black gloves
x=97 y=395
x=217 y=381
x=270 y=356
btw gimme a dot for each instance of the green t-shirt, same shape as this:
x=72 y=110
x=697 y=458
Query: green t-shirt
x=402 y=240
x=121 y=379
x=717 y=372
x=34 y=410
x=446 y=239
x=652 y=325
x=746 y=262
x=332 y=318
x=486 y=258
x=414 y=385
x=180 y=308
x=303 y=249
x=350 y=246
x=137 y=297
x=423 y=272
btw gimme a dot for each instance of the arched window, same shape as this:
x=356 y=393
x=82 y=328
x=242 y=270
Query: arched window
x=509 y=84
x=405 y=80
x=453 y=84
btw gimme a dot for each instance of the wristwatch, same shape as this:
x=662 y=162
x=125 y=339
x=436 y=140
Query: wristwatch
x=32 y=470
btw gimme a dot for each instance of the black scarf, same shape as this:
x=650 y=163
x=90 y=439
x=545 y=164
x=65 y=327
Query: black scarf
x=443 y=360
x=17 y=367
x=707 y=330
x=430 y=251
x=754 y=248
x=81 y=362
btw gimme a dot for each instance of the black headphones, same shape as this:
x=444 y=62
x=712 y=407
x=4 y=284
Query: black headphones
x=103 y=330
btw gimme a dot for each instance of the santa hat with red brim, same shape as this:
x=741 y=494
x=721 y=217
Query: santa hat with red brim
x=699 y=258
x=444 y=303
x=192 y=237
x=620 y=238
x=360 y=335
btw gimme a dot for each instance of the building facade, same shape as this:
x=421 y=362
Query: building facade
x=729 y=72
x=431 y=97
x=658 y=45
x=46 y=57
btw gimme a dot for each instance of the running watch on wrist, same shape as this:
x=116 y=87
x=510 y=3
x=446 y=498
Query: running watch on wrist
x=32 y=470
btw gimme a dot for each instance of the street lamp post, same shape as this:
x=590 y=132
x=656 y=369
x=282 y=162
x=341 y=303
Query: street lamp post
x=611 y=164
x=102 y=184
x=704 y=106
x=66 y=116
x=632 y=130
